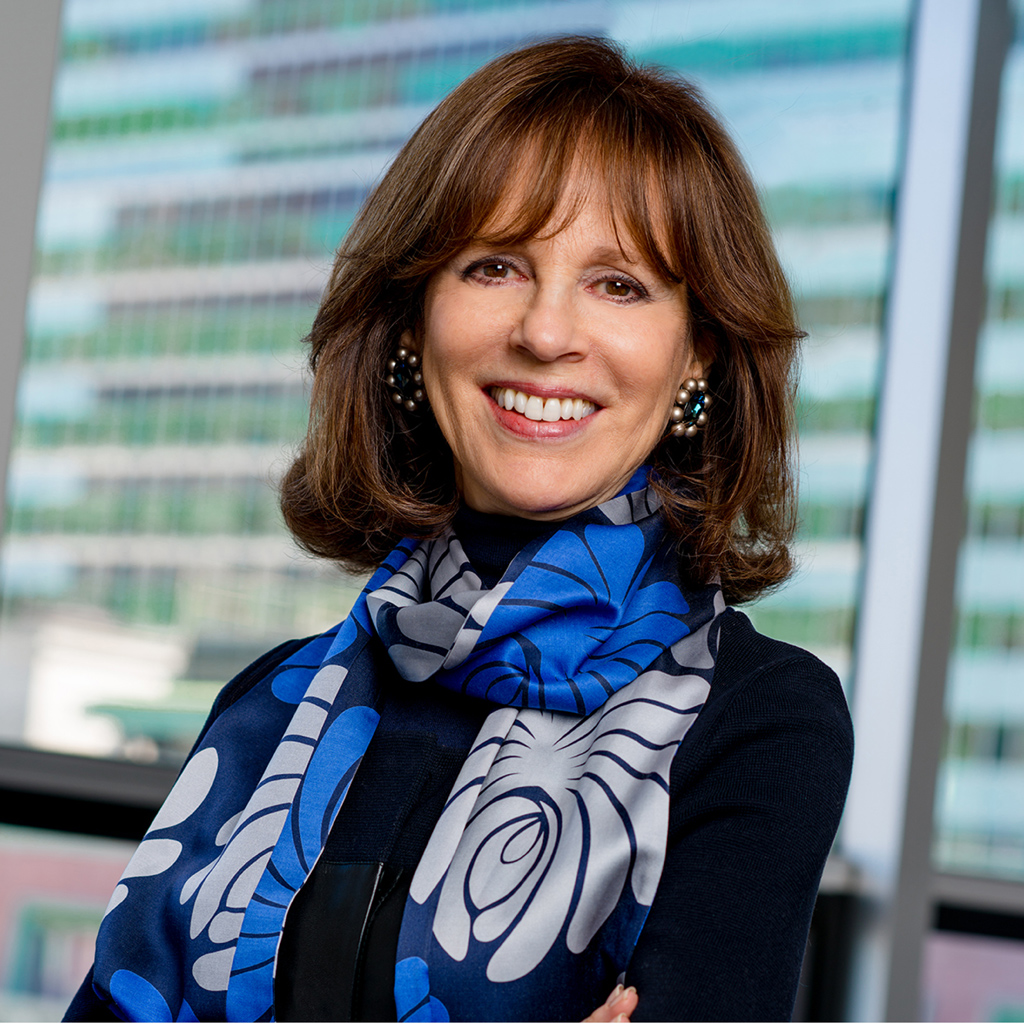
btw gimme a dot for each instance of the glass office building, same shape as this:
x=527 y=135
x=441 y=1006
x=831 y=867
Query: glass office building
x=205 y=159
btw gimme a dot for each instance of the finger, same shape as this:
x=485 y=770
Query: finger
x=626 y=1004
x=618 y=1006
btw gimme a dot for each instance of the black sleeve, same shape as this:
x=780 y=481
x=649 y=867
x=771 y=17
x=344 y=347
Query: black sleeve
x=86 y=1005
x=756 y=801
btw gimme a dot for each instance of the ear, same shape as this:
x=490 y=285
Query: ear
x=695 y=369
x=702 y=354
x=408 y=340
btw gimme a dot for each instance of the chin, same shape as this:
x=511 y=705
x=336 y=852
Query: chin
x=533 y=503
x=534 y=488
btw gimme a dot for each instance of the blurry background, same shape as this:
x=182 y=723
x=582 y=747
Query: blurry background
x=204 y=159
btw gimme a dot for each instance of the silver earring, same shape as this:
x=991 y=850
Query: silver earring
x=404 y=379
x=690 y=411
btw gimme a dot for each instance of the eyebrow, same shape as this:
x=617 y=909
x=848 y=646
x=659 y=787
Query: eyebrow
x=611 y=254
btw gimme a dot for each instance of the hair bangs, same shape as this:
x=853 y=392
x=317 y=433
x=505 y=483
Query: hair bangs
x=547 y=180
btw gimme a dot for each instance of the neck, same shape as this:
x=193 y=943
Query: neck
x=492 y=541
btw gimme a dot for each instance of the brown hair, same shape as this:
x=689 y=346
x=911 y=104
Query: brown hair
x=370 y=473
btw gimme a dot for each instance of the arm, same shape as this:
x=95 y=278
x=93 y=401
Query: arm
x=86 y=1005
x=756 y=803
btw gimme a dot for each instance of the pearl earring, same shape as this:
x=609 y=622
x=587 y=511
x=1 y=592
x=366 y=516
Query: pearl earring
x=404 y=380
x=690 y=411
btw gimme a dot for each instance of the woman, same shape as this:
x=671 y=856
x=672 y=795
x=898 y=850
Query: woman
x=541 y=758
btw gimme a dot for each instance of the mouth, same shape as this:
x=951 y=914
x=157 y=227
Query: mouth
x=542 y=410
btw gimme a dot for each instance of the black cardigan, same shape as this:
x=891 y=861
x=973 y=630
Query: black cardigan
x=757 y=790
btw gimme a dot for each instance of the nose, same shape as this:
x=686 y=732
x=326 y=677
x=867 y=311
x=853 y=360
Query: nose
x=548 y=327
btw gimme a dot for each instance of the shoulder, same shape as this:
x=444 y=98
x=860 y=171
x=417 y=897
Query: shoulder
x=773 y=678
x=262 y=669
x=744 y=653
x=775 y=716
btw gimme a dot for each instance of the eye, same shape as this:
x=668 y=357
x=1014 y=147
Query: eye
x=491 y=271
x=618 y=289
x=495 y=271
x=622 y=289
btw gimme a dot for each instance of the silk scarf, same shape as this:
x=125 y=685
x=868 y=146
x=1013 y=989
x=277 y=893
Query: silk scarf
x=539 y=874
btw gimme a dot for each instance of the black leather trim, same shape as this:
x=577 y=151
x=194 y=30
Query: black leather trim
x=326 y=945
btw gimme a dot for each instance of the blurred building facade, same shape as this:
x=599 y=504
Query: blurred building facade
x=206 y=159
x=981 y=784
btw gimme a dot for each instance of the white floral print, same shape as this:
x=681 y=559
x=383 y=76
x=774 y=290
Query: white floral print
x=551 y=818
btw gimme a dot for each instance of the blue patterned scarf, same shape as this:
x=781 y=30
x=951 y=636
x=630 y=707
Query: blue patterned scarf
x=540 y=872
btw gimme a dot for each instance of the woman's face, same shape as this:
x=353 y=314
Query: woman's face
x=552 y=365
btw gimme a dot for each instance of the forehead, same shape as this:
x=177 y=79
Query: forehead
x=587 y=197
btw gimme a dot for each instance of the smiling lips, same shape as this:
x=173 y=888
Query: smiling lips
x=547 y=410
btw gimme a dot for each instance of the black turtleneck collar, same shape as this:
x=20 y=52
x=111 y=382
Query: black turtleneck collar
x=492 y=541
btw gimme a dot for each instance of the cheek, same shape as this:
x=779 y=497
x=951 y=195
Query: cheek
x=436 y=356
x=443 y=346
x=435 y=378
x=444 y=383
x=432 y=373
x=663 y=364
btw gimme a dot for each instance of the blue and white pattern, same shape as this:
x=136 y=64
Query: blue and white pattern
x=548 y=854
x=516 y=862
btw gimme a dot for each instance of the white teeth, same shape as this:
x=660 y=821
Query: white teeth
x=552 y=410
x=542 y=410
x=534 y=408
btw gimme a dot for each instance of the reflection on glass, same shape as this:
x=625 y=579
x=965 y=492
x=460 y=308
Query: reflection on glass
x=53 y=889
x=973 y=977
x=981 y=785
x=205 y=160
